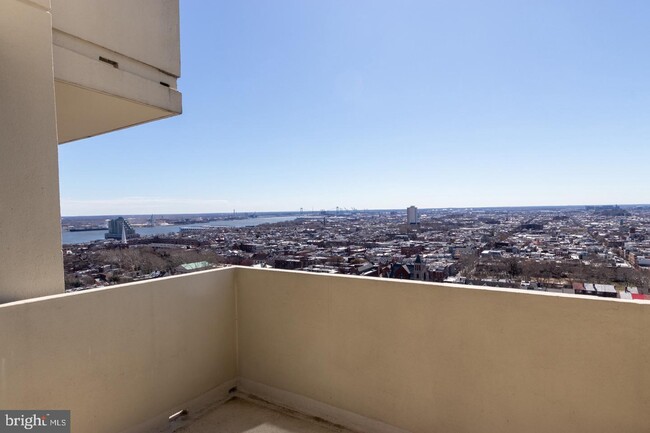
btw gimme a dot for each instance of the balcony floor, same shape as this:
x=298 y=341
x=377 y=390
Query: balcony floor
x=242 y=415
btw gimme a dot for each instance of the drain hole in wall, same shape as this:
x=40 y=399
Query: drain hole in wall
x=109 y=61
x=164 y=84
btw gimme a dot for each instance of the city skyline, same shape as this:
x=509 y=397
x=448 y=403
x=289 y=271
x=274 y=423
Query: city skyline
x=338 y=104
x=329 y=211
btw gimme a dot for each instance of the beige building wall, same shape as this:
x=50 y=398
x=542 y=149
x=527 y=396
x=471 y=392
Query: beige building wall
x=30 y=230
x=69 y=70
x=434 y=358
x=419 y=357
x=145 y=30
x=122 y=356
x=115 y=64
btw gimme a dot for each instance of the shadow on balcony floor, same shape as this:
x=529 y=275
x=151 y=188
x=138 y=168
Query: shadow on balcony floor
x=242 y=415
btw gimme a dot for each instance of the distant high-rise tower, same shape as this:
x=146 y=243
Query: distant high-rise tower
x=118 y=228
x=412 y=215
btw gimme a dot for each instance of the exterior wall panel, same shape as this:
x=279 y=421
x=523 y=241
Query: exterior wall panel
x=144 y=30
x=121 y=356
x=31 y=263
x=428 y=358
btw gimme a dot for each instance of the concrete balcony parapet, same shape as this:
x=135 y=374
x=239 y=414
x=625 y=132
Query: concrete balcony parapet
x=368 y=354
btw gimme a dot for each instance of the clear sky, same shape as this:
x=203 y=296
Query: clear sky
x=383 y=104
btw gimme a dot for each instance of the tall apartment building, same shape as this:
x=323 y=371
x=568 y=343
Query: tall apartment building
x=119 y=228
x=411 y=215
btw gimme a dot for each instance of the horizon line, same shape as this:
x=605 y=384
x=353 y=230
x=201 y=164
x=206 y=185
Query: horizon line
x=368 y=210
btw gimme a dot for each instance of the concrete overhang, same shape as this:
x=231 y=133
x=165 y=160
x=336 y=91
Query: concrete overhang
x=115 y=64
x=94 y=96
x=84 y=112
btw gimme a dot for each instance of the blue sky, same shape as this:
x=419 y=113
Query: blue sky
x=384 y=104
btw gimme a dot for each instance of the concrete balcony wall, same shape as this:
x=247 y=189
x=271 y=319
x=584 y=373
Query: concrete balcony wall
x=122 y=356
x=30 y=225
x=144 y=30
x=115 y=64
x=373 y=354
x=434 y=358
x=70 y=69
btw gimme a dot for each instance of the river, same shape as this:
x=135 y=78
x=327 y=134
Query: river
x=82 y=237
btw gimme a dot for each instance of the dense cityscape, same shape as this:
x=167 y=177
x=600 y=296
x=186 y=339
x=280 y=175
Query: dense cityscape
x=594 y=250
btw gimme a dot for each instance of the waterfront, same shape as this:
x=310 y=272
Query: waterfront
x=68 y=237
